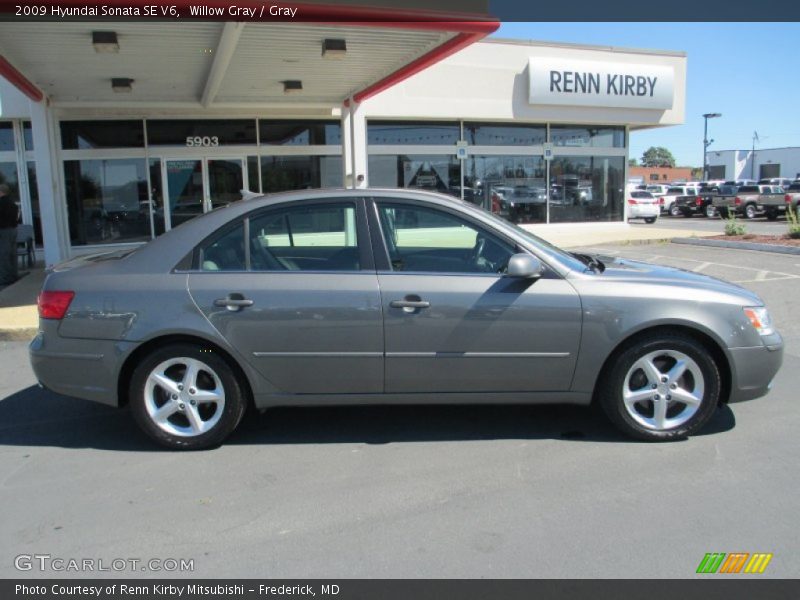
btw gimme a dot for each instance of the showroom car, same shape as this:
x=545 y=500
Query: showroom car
x=385 y=296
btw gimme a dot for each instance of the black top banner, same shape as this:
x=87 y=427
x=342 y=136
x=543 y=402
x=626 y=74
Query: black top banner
x=387 y=11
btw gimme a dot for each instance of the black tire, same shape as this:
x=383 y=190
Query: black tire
x=675 y=211
x=234 y=397
x=750 y=211
x=650 y=220
x=610 y=392
x=709 y=211
x=723 y=213
x=772 y=215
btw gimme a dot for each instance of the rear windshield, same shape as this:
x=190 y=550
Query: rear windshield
x=674 y=190
x=749 y=189
x=641 y=195
x=727 y=190
x=795 y=187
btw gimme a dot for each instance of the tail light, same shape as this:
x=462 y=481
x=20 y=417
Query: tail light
x=631 y=201
x=661 y=201
x=54 y=304
x=787 y=198
x=737 y=201
x=698 y=201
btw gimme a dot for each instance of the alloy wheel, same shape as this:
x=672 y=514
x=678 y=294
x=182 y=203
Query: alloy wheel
x=184 y=397
x=663 y=390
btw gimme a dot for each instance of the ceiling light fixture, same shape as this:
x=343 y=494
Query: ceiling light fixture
x=122 y=85
x=105 y=42
x=334 y=48
x=292 y=86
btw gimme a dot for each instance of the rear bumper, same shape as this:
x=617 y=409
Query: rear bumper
x=755 y=368
x=80 y=368
x=639 y=211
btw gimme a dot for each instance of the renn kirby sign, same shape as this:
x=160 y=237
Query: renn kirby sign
x=604 y=84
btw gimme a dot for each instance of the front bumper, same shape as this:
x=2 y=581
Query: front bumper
x=755 y=368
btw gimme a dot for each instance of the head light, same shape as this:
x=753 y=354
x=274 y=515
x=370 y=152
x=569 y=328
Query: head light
x=760 y=319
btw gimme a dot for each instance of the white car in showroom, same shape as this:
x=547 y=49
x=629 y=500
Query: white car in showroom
x=643 y=205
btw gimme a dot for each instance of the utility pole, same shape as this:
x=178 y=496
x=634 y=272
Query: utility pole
x=706 y=142
x=753 y=157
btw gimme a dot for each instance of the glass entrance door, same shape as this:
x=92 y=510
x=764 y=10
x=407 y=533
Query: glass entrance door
x=197 y=185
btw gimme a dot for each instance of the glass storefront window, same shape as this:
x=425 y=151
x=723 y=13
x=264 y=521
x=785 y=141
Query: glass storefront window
x=107 y=201
x=201 y=133
x=578 y=136
x=299 y=133
x=8 y=175
x=438 y=173
x=497 y=134
x=253 y=180
x=514 y=187
x=6 y=136
x=586 y=188
x=27 y=134
x=86 y=135
x=35 y=213
x=157 y=196
x=428 y=133
x=282 y=173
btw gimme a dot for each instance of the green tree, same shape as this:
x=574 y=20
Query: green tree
x=658 y=157
x=632 y=162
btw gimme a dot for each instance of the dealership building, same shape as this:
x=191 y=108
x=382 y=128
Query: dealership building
x=112 y=133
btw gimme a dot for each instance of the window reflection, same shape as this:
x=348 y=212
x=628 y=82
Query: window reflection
x=586 y=188
x=437 y=173
x=282 y=173
x=514 y=187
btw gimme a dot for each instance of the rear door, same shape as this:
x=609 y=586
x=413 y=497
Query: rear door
x=293 y=288
x=453 y=322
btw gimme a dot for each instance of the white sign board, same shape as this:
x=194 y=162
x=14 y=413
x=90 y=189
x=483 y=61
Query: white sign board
x=547 y=148
x=566 y=82
x=462 y=149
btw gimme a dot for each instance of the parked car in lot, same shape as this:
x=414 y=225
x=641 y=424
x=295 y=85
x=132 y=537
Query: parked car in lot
x=781 y=181
x=667 y=201
x=791 y=198
x=657 y=190
x=700 y=203
x=643 y=205
x=772 y=201
x=742 y=200
x=390 y=296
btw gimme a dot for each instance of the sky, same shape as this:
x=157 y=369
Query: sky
x=746 y=71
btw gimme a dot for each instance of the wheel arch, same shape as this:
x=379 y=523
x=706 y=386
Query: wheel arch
x=702 y=337
x=135 y=357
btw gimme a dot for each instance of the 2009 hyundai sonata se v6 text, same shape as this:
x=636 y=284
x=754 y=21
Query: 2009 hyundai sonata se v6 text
x=391 y=297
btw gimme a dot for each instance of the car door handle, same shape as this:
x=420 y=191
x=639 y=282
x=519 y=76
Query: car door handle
x=412 y=304
x=233 y=302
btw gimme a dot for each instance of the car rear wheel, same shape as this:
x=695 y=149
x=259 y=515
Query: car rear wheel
x=675 y=211
x=662 y=388
x=186 y=397
x=650 y=220
x=772 y=215
x=723 y=213
x=710 y=211
x=750 y=211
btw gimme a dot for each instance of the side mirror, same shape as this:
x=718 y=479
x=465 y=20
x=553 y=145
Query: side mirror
x=524 y=266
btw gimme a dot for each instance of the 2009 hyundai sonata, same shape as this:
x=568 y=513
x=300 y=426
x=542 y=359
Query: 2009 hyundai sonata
x=391 y=297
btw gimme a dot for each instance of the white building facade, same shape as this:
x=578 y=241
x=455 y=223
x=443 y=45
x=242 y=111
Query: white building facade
x=761 y=163
x=495 y=123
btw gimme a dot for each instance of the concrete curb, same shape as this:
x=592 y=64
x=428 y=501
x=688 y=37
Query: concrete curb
x=738 y=245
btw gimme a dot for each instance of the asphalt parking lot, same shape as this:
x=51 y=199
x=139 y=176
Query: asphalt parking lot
x=416 y=491
x=759 y=225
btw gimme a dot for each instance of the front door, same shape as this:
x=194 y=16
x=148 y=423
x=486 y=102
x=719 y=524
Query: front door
x=294 y=290
x=454 y=323
x=197 y=185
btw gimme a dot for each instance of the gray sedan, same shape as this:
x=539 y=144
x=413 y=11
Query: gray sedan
x=393 y=297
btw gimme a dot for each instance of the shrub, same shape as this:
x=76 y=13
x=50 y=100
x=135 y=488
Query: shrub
x=732 y=226
x=793 y=221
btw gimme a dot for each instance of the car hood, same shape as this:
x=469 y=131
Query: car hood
x=638 y=272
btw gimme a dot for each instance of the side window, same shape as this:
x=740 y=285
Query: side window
x=428 y=240
x=305 y=238
x=225 y=252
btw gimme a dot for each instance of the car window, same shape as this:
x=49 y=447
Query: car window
x=302 y=238
x=305 y=238
x=421 y=239
x=675 y=190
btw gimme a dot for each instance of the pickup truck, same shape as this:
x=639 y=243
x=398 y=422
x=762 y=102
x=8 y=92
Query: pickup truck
x=746 y=200
x=667 y=201
x=700 y=203
x=777 y=204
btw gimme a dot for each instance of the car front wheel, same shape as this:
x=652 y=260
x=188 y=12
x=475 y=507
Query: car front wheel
x=750 y=211
x=650 y=220
x=186 y=397
x=661 y=388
